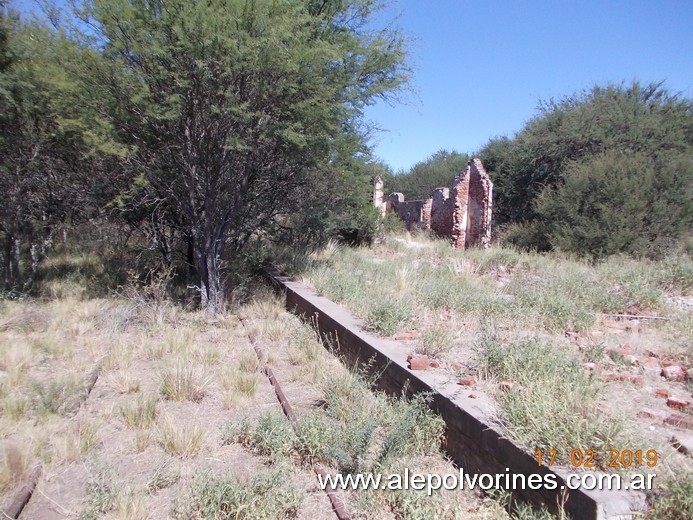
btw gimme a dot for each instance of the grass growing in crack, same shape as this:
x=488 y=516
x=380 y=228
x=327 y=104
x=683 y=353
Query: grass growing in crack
x=101 y=493
x=266 y=496
x=271 y=436
x=55 y=397
x=387 y=316
x=673 y=499
x=436 y=341
x=14 y=465
x=550 y=384
x=180 y=440
x=165 y=475
x=139 y=414
x=182 y=383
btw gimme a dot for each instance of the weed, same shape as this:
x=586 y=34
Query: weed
x=550 y=384
x=165 y=475
x=181 y=382
x=55 y=397
x=271 y=436
x=123 y=382
x=101 y=493
x=436 y=341
x=13 y=465
x=140 y=414
x=265 y=496
x=674 y=499
x=386 y=316
x=180 y=440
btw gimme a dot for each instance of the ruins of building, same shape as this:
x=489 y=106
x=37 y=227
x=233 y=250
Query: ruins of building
x=461 y=213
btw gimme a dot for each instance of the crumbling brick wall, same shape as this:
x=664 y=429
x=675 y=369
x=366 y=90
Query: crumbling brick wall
x=462 y=213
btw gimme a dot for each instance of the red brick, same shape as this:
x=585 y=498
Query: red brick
x=635 y=379
x=651 y=367
x=679 y=420
x=651 y=414
x=683 y=443
x=472 y=396
x=663 y=393
x=407 y=336
x=418 y=362
x=467 y=381
x=679 y=404
x=625 y=349
x=506 y=385
x=674 y=373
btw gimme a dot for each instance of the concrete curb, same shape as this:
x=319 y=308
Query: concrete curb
x=474 y=441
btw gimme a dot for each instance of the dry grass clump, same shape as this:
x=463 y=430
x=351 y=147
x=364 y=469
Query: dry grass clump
x=182 y=382
x=124 y=382
x=139 y=414
x=14 y=464
x=180 y=440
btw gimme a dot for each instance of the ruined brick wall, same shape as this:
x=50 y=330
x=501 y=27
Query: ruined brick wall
x=473 y=207
x=462 y=213
x=441 y=212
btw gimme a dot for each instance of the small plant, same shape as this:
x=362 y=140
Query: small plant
x=165 y=475
x=123 y=382
x=549 y=383
x=55 y=397
x=263 y=497
x=386 y=316
x=674 y=499
x=180 y=440
x=436 y=341
x=102 y=494
x=271 y=437
x=140 y=414
x=182 y=383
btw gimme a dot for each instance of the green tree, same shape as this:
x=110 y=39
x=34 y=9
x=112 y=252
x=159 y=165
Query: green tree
x=231 y=107
x=631 y=123
x=43 y=152
x=615 y=203
x=437 y=171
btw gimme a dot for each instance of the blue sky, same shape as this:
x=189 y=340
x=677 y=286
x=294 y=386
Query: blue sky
x=481 y=67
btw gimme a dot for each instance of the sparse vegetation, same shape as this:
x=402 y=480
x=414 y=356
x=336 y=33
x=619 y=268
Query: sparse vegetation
x=265 y=496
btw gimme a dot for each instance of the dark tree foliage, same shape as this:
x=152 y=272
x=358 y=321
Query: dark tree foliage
x=542 y=174
x=44 y=164
x=438 y=171
x=233 y=111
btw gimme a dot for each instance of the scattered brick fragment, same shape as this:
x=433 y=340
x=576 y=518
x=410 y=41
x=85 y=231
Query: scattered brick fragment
x=435 y=363
x=679 y=404
x=472 y=396
x=242 y=317
x=418 y=362
x=663 y=393
x=456 y=365
x=631 y=360
x=506 y=385
x=680 y=420
x=651 y=367
x=467 y=381
x=635 y=379
x=651 y=414
x=407 y=336
x=683 y=443
x=625 y=349
x=673 y=373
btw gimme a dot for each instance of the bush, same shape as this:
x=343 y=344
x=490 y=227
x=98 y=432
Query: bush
x=617 y=203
